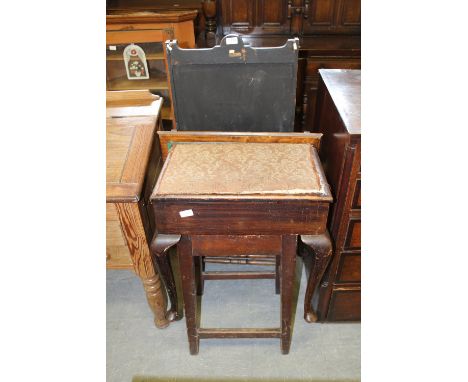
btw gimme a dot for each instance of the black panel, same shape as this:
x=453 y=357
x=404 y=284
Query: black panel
x=234 y=87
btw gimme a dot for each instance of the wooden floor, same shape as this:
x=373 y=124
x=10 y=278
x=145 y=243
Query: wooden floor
x=137 y=351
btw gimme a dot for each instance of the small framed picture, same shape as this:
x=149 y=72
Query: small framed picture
x=135 y=63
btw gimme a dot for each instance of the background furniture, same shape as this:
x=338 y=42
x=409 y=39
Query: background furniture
x=339 y=119
x=233 y=199
x=131 y=171
x=328 y=31
x=204 y=22
x=149 y=30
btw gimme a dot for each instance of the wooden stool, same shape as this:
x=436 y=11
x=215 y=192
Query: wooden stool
x=217 y=199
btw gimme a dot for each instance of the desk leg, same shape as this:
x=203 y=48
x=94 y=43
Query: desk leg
x=160 y=246
x=187 y=271
x=322 y=247
x=288 y=269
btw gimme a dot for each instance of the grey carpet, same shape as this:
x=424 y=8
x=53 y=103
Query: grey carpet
x=137 y=351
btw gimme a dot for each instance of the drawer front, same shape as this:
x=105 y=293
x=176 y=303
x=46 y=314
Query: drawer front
x=353 y=234
x=240 y=218
x=117 y=252
x=345 y=305
x=349 y=268
x=356 y=203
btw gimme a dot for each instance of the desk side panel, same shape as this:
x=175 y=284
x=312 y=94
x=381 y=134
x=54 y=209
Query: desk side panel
x=240 y=218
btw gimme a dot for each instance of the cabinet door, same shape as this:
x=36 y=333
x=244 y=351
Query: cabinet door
x=272 y=17
x=348 y=18
x=255 y=17
x=319 y=16
x=238 y=16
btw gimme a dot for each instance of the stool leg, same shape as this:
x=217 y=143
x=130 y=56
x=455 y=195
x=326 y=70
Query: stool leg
x=199 y=268
x=322 y=247
x=278 y=274
x=187 y=271
x=288 y=269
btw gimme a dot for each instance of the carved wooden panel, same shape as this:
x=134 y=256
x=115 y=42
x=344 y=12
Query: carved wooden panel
x=349 y=16
x=238 y=15
x=320 y=16
x=272 y=16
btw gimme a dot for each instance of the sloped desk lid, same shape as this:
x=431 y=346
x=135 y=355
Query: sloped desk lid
x=234 y=87
x=242 y=171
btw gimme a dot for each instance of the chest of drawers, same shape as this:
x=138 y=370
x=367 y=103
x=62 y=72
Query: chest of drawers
x=339 y=119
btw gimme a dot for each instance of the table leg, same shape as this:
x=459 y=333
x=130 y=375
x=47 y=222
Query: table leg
x=288 y=269
x=134 y=233
x=322 y=247
x=187 y=272
x=157 y=300
x=160 y=246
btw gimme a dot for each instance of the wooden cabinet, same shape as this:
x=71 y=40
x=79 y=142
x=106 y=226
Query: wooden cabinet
x=332 y=16
x=338 y=118
x=257 y=16
x=149 y=31
x=328 y=31
x=298 y=17
x=319 y=16
x=310 y=83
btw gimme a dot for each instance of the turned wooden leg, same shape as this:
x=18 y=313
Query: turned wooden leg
x=288 y=269
x=278 y=274
x=187 y=272
x=157 y=300
x=143 y=265
x=160 y=246
x=322 y=247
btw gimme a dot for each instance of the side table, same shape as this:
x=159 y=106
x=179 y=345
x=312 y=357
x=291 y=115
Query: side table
x=131 y=122
x=218 y=199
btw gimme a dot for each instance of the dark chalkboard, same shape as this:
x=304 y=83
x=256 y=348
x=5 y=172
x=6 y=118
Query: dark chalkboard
x=233 y=87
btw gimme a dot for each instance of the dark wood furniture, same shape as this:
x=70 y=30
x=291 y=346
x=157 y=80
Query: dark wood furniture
x=149 y=30
x=328 y=31
x=204 y=23
x=339 y=119
x=233 y=199
x=132 y=146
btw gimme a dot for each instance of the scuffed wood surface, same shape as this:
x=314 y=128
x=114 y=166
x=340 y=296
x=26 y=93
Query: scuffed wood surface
x=167 y=138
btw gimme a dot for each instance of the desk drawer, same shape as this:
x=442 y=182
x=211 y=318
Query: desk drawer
x=353 y=234
x=345 y=305
x=356 y=203
x=349 y=268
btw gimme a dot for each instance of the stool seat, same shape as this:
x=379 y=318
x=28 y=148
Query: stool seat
x=246 y=170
